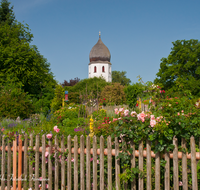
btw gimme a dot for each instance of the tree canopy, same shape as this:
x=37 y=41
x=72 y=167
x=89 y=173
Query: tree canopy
x=180 y=71
x=6 y=13
x=21 y=63
x=120 y=77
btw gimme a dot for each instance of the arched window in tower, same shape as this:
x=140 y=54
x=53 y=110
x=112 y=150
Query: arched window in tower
x=103 y=69
x=95 y=69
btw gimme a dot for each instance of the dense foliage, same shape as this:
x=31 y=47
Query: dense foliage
x=113 y=94
x=180 y=71
x=120 y=77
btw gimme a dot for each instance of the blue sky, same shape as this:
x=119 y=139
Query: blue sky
x=137 y=33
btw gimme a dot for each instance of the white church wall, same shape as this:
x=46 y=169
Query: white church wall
x=99 y=71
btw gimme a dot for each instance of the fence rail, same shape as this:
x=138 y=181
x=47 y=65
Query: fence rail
x=73 y=166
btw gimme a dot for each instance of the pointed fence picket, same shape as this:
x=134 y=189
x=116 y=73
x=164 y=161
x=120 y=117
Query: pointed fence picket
x=30 y=161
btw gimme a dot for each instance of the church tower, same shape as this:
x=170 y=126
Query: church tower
x=100 y=61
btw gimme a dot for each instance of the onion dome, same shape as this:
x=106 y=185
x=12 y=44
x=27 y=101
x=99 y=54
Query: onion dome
x=99 y=52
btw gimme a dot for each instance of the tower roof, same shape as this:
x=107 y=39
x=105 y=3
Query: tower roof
x=99 y=52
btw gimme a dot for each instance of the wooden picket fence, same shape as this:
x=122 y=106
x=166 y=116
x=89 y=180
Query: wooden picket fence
x=17 y=170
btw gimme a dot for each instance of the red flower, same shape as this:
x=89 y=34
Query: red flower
x=104 y=99
x=137 y=105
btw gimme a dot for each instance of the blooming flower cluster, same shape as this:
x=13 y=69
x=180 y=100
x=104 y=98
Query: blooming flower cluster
x=56 y=129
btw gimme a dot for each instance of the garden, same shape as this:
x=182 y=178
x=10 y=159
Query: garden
x=168 y=116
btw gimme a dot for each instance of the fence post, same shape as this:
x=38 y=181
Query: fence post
x=133 y=184
x=20 y=163
x=9 y=165
x=88 y=157
x=37 y=145
x=25 y=161
x=69 y=157
x=193 y=164
x=14 y=163
x=148 y=145
x=167 y=171
x=94 y=162
x=43 y=163
x=141 y=181
x=50 y=166
x=184 y=165
x=76 y=163
x=82 y=160
x=63 y=164
x=30 y=164
x=175 y=164
x=101 y=163
x=109 y=157
x=3 y=164
x=157 y=170
x=56 y=164
x=117 y=164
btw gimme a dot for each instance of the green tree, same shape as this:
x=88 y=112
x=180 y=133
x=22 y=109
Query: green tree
x=85 y=88
x=6 y=13
x=180 y=71
x=56 y=103
x=120 y=77
x=22 y=63
x=133 y=92
x=14 y=102
x=113 y=94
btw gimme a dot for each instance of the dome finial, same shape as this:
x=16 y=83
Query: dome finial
x=99 y=34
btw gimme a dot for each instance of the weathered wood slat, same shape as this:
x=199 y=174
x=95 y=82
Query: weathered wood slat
x=37 y=162
x=133 y=184
x=124 y=168
x=3 y=164
x=43 y=163
x=56 y=164
x=101 y=163
x=9 y=166
x=30 y=163
x=25 y=161
x=109 y=146
x=82 y=160
x=157 y=171
x=88 y=157
x=184 y=165
x=193 y=164
x=117 y=164
x=63 y=163
x=175 y=164
x=75 y=163
x=50 y=165
x=141 y=181
x=69 y=166
x=94 y=163
x=167 y=171
x=148 y=163
x=20 y=163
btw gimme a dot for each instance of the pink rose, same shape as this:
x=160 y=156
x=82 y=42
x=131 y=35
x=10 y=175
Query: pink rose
x=152 y=117
x=46 y=154
x=126 y=112
x=133 y=113
x=2 y=129
x=178 y=113
x=116 y=111
x=141 y=116
x=180 y=183
x=91 y=159
x=115 y=119
x=49 y=136
x=57 y=130
x=47 y=186
x=97 y=161
x=121 y=109
x=153 y=123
